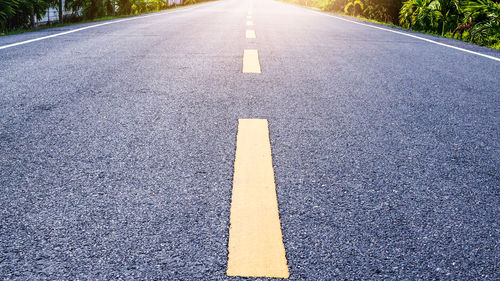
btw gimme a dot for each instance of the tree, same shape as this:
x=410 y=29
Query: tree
x=26 y=13
x=60 y=9
x=7 y=10
x=124 y=7
x=110 y=7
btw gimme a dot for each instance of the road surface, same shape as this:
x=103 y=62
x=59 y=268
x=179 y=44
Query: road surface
x=117 y=146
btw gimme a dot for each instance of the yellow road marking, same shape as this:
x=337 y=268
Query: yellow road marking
x=249 y=23
x=250 y=12
x=250 y=34
x=256 y=246
x=251 y=61
x=249 y=17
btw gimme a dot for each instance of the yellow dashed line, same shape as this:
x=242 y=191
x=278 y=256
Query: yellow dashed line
x=251 y=61
x=256 y=246
x=250 y=34
x=249 y=23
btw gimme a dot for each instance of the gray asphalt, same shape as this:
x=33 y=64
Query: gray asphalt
x=117 y=146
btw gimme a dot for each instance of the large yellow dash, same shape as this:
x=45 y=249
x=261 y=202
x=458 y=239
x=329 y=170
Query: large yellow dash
x=256 y=246
x=249 y=23
x=249 y=17
x=250 y=34
x=251 y=61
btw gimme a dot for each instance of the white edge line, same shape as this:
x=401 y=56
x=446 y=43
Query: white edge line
x=410 y=35
x=91 y=26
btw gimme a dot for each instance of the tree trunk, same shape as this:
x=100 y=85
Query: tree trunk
x=60 y=11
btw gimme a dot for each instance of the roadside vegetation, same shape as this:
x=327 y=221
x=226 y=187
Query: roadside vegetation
x=476 y=21
x=20 y=15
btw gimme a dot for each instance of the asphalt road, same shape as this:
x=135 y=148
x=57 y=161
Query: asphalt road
x=117 y=146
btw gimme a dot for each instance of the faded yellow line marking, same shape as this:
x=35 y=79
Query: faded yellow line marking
x=249 y=23
x=250 y=34
x=256 y=246
x=251 y=61
x=249 y=17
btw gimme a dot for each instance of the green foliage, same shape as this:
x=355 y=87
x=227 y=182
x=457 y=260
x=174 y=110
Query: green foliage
x=433 y=16
x=382 y=10
x=444 y=16
x=25 y=13
x=415 y=14
x=142 y=6
x=353 y=7
x=124 y=7
x=7 y=10
x=376 y=11
x=91 y=9
x=16 y=14
x=485 y=16
x=21 y=14
x=335 y=5
x=438 y=16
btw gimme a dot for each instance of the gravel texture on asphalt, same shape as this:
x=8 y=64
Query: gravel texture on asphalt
x=117 y=147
